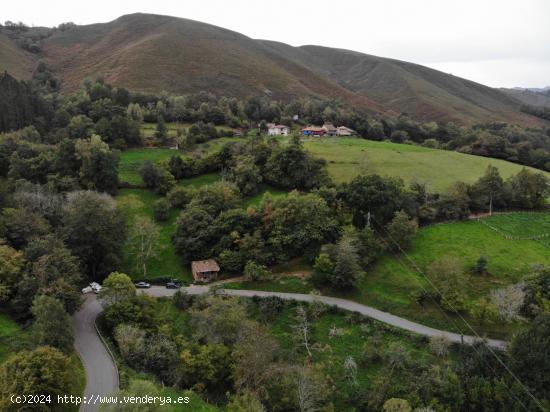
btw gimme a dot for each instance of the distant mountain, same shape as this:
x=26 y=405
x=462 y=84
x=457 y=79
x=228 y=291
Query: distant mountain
x=533 y=97
x=146 y=52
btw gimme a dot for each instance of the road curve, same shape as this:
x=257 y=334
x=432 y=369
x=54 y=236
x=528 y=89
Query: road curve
x=101 y=371
x=343 y=304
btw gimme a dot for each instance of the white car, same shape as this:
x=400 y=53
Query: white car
x=93 y=287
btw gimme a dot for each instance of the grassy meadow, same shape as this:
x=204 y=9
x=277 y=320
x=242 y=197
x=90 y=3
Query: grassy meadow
x=391 y=283
x=525 y=225
x=140 y=202
x=439 y=169
x=12 y=337
x=132 y=159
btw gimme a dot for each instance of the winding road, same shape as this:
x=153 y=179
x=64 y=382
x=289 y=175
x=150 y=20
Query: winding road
x=101 y=371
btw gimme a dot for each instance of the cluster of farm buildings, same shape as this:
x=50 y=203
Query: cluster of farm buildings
x=328 y=129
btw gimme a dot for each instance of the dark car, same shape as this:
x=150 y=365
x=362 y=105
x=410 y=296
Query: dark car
x=173 y=284
x=143 y=285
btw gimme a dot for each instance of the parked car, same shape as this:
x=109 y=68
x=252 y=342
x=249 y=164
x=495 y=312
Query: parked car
x=92 y=287
x=173 y=285
x=143 y=285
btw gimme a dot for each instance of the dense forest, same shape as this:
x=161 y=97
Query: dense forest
x=61 y=228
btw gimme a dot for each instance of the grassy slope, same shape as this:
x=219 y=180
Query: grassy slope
x=15 y=60
x=389 y=284
x=153 y=53
x=140 y=202
x=132 y=159
x=348 y=157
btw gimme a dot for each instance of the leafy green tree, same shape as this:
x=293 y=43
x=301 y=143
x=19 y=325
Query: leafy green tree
x=245 y=402
x=207 y=366
x=298 y=224
x=136 y=388
x=95 y=231
x=219 y=322
x=19 y=226
x=157 y=177
x=131 y=343
x=324 y=268
x=401 y=230
x=448 y=275
x=44 y=370
x=397 y=404
x=117 y=288
x=80 y=127
x=11 y=268
x=255 y=272
x=254 y=354
x=161 y=131
x=161 y=210
x=347 y=269
x=193 y=233
x=528 y=189
x=143 y=242
x=99 y=166
x=291 y=167
x=490 y=188
x=246 y=175
x=481 y=265
x=52 y=325
x=368 y=246
x=216 y=198
x=379 y=196
x=529 y=356
x=179 y=197
x=55 y=273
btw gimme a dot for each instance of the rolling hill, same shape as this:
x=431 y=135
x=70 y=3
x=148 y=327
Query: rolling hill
x=145 y=52
x=530 y=97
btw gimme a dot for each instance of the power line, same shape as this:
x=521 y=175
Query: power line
x=503 y=364
x=459 y=329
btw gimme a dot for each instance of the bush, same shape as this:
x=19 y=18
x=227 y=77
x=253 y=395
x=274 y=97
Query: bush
x=161 y=210
x=182 y=300
x=255 y=272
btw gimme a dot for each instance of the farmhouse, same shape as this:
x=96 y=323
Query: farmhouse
x=205 y=270
x=330 y=129
x=313 y=131
x=345 y=131
x=277 y=129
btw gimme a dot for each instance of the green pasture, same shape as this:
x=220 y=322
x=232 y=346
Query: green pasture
x=439 y=169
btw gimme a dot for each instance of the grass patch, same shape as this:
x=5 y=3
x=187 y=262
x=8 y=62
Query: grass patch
x=139 y=202
x=521 y=224
x=202 y=180
x=12 y=337
x=439 y=169
x=389 y=284
x=131 y=160
x=265 y=189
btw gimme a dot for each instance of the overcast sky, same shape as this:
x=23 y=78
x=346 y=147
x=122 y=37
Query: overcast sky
x=501 y=43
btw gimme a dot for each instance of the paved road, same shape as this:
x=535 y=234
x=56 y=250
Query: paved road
x=101 y=371
x=341 y=303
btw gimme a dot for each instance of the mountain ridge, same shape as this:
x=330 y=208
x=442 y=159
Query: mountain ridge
x=152 y=53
